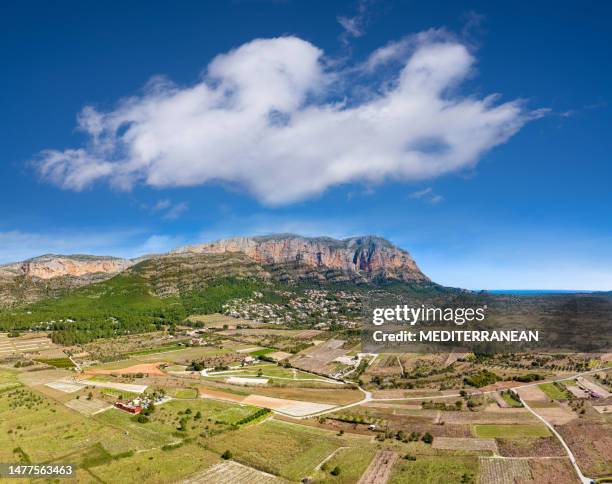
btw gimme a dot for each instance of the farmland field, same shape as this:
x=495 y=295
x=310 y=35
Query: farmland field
x=491 y=431
x=26 y=415
x=434 y=470
x=156 y=466
x=288 y=450
x=502 y=471
x=553 y=391
x=352 y=462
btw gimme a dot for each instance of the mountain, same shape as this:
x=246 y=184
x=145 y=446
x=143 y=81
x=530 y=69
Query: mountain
x=282 y=257
x=47 y=275
x=358 y=259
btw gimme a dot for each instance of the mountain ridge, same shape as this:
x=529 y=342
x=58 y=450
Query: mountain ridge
x=283 y=257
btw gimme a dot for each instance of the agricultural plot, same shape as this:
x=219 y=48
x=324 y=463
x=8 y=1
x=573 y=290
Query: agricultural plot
x=591 y=443
x=318 y=359
x=554 y=471
x=533 y=394
x=515 y=431
x=183 y=392
x=502 y=471
x=154 y=466
x=142 y=369
x=434 y=470
x=66 y=386
x=351 y=462
x=530 y=447
x=554 y=391
x=379 y=470
x=288 y=450
x=178 y=420
x=449 y=443
x=87 y=406
x=557 y=415
x=231 y=472
x=24 y=344
x=25 y=416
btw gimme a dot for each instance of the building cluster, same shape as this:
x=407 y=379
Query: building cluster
x=137 y=405
x=315 y=306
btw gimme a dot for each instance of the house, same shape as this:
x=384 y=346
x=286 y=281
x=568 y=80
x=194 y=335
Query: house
x=128 y=407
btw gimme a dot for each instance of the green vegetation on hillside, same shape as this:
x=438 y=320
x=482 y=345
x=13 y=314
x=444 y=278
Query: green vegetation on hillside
x=125 y=304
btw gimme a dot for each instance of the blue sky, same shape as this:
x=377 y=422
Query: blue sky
x=102 y=150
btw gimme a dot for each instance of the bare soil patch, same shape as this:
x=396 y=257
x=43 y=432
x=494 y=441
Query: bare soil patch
x=550 y=471
x=231 y=472
x=290 y=407
x=533 y=394
x=537 y=447
x=557 y=415
x=146 y=369
x=591 y=443
x=87 y=407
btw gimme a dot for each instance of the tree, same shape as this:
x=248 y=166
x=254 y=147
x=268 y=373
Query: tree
x=427 y=438
x=226 y=455
x=335 y=471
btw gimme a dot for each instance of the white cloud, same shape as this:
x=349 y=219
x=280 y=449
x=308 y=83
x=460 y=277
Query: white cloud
x=427 y=194
x=176 y=211
x=162 y=204
x=354 y=26
x=171 y=210
x=421 y=193
x=270 y=118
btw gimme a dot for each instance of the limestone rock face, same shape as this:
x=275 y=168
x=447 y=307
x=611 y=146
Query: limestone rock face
x=51 y=266
x=366 y=257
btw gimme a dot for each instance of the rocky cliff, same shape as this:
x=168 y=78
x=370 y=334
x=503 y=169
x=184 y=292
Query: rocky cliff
x=49 y=275
x=50 y=266
x=367 y=258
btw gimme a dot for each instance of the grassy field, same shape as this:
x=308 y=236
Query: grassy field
x=57 y=362
x=511 y=401
x=165 y=421
x=511 y=431
x=181 y=355
x=553 y=391
x=268 y=371
x=160 y=349
x=156 y=466
x=351 y=462
x=434 y=470
x=288 y=450
x=263 y=351
x=45 y=430
x=183 y=392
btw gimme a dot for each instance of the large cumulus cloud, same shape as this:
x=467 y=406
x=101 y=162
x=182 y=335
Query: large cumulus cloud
x=276 y=118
